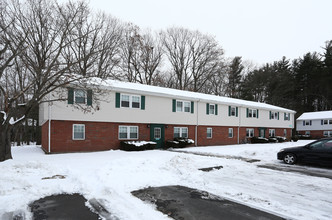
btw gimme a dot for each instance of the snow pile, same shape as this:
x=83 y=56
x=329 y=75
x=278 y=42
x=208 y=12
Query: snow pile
x=110 y=176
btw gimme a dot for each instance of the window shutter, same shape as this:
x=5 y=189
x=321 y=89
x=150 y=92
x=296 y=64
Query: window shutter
x=216 y=109
x=70 y=96
x=174 y=105
x=278 y=115
x=207 y=108
x=229 y=110
x=143 y=102
x=247 y=112
x=288 y=116
x=321 y=122
x=257 y=113
x=310 y=122
x=89 y=97
x=270 y=115
x=237 y=110
x=284 y=116
x=192 y=107
x=303 y=123
x=117 y=100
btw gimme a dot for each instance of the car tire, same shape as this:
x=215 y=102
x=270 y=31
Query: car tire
x=289 y=159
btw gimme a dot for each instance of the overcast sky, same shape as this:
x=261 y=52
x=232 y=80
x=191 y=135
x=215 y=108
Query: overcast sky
x=258 y=30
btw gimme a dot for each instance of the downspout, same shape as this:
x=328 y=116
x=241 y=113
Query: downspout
x=196 y=128
x=238 y=128
x=49 y=126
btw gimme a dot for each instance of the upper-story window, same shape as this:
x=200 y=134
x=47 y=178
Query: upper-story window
x=274 y=115
x=307 y=123
x=211 y=109
x=252 y=113
x=130 y=101
x=326 y=122
x=286 y=116
x=79 y=96
x=182 y=106
x=232 y=111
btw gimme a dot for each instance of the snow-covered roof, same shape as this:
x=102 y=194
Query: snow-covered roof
x=181 y=94
x=316 y=115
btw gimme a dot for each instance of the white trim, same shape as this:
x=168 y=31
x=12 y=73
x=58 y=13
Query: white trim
x=128 y=132
x=230 y=129
x=181 y=132
x=130 y=100
x=183 y=106
x=208 y=133
x=250 y=129
x=85 y=96
x=73 y=136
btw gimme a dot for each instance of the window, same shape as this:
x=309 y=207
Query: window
x=180 y=132
x=157 y=133
x=78 y=132
x=233 y=111
x=130 y=101
x=252 y=113
x=306 y=123
x=128 y=132
x=327 y=133
x=285 y=132
x=230 y=132
x=209 y=132
x=274 y=115
x=211 y=109
x=330 y=122
x=286 y=116
x=307 y=133
x=80 y=96
x=272 y=132
x=183 y=106
x=250 y=132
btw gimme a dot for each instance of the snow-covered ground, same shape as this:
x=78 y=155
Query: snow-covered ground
x=111 y=175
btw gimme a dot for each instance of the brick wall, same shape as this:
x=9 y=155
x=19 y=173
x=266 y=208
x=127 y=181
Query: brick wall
x=314 y=134
x=104 y=135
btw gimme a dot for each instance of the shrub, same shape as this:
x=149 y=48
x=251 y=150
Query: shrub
x=137 y=145
x=179 y=143
x=259 y=140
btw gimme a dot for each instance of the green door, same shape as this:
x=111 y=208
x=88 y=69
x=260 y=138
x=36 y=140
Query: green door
x=262 y=132
x=157 y=134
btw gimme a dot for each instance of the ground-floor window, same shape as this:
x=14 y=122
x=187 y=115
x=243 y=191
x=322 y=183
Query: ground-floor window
x=128 y=132
x=250 y=132
x=272 y=132
x=327 y=133
x=230 y=132
x=78 y=131
x=209 y=132
x=285 y=132
x=307 y=133
x=180 y=132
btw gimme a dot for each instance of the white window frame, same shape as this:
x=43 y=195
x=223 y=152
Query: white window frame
x=287 y=116
x=274 y=115
x=130 y=100
x=250 y=132
x=230 y=132
x=233 y=113
x=212 y=110
x=85 y=96
x=181 y=132
x=252 y=113
x=207 y=133
x=184 y=105
x=73 y=135
x=272 y=131
x=327 y=133
x=128 y=132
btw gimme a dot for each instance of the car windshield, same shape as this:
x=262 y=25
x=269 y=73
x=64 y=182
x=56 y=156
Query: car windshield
x=322 y=143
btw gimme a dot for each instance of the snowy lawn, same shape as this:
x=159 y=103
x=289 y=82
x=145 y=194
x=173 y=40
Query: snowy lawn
x=111 y=175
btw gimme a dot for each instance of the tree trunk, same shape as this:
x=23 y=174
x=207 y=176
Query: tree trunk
x=5 y=146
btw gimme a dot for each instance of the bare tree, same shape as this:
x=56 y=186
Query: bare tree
x=36 y=33
x=141 y=55
x=177 y=45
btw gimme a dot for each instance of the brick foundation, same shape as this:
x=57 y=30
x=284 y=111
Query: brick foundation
x=104 y=135
x=314 y=134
